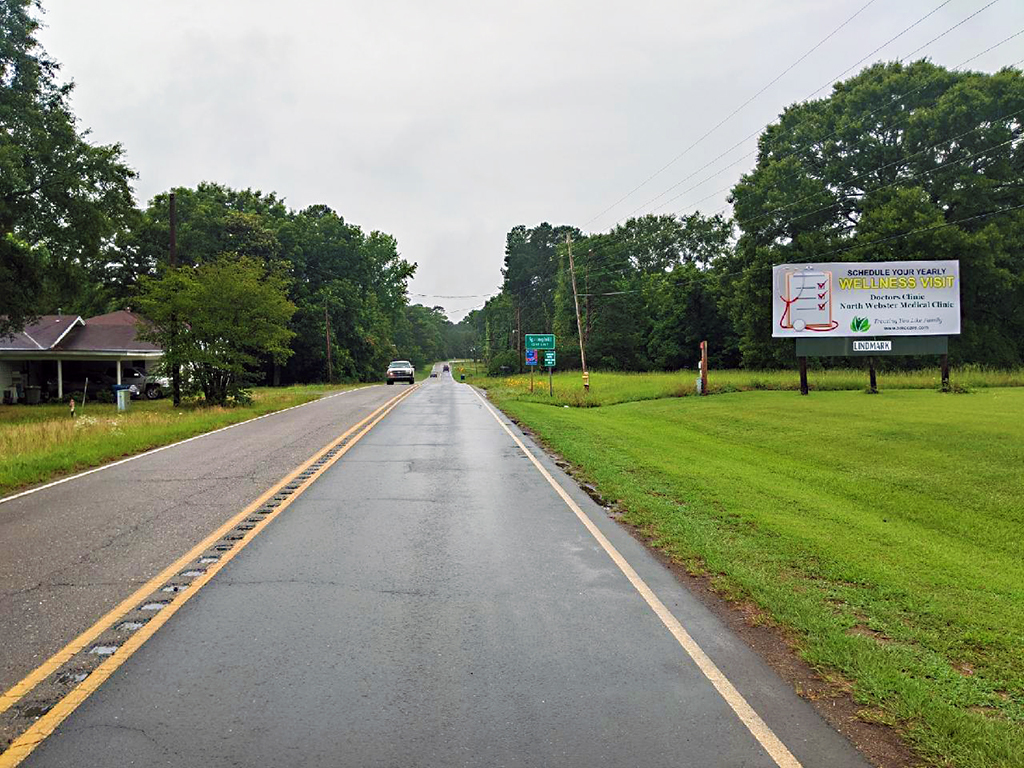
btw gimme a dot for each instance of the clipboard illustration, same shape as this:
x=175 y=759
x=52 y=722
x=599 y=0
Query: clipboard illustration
x=808 y=299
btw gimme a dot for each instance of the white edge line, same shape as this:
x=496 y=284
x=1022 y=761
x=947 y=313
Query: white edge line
x=739 y=705
x=151 y=451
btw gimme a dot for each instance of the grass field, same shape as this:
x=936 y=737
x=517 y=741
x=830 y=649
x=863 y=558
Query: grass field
x=608 y=388
x=41 y=442
x=883 y=532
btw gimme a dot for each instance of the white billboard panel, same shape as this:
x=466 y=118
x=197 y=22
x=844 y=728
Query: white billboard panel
x=889 y=298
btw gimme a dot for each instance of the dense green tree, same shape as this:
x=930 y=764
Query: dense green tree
x=61 y=197
x=529 y=275
x=647 y=288
x=218 y=321
x=359 y=280
x=461 y=339
x=340 y=277
x=421 y=337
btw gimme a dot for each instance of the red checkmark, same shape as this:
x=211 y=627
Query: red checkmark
x=821 y=285
x=822 y=295
x=821 y=306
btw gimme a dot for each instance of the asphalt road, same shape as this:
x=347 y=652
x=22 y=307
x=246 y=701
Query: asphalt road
x=71 y=552
x=432 y=601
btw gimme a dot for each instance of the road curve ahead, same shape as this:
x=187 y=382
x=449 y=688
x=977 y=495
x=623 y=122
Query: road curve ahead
x=432 y=600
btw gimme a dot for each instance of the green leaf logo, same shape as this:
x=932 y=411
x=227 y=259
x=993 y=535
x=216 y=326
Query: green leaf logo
x=860 y=325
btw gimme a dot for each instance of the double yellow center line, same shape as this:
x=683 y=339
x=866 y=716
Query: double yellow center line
x=22 y=746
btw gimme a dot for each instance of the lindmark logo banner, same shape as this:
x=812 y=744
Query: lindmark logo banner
x=889 y=298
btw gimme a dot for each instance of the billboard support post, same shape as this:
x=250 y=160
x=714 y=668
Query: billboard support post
x=945 y=371
x=872 y=379
x=704 y=367
x=803 y=375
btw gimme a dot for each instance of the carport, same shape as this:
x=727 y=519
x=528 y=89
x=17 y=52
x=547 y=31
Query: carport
x=35 y=356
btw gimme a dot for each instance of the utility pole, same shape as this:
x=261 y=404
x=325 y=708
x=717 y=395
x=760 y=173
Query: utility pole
x=175 y=368
x=579 y=322
x=519 y=342
x=327 y=325
x=174 y=231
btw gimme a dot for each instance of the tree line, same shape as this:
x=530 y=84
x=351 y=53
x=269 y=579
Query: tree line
x=900 y=162
x=256 y=288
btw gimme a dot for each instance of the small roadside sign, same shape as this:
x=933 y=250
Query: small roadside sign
x=540 y=341
x=531 y=357
x=873 y=346
x=549 y=358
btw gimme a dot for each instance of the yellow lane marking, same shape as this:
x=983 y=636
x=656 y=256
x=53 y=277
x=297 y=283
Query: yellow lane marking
x=757 y=727
x=51 y=665
x=23 y=746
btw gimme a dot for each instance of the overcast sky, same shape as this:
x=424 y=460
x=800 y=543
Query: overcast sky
x=446 y=123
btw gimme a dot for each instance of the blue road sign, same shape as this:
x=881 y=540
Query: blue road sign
x=531 y=357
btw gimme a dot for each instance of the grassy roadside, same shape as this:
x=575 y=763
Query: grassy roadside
x=883 y=532
x=609 y=387
x=40 y=443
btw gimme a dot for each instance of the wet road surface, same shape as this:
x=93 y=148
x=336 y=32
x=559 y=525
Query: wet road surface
x=70 y=552
x=432 y=601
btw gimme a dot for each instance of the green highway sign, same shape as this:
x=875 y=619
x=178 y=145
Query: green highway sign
x=540 y=341
x=549 y=357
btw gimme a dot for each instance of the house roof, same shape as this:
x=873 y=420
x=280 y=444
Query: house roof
x=52 y=334
x=113 y=332
x=43 y=334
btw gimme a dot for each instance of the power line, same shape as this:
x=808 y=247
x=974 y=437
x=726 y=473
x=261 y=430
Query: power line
x=942 y=35
x=922 y=230
x=731 y=114
x=901 y=161
x=806 y=98
x=852 y=246
x=803 y=147
x=610 y=268
x=886 y=43
x=445 y=296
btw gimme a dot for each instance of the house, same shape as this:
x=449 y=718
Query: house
x=59 y=348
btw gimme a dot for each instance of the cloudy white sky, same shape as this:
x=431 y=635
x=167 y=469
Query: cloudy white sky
x=446 y=123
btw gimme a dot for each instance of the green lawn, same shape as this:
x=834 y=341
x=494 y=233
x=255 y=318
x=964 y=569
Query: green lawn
x=41 y=442
x=609 y=387
x=883 y=531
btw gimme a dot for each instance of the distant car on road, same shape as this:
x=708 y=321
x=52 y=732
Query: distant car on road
x=401 y=370
x=446 y=368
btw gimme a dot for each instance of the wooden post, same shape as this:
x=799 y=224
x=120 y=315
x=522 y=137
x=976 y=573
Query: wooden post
x=579 y=323
x=803 y=376
x=551 y=385
x=945 y=371
x=704 y=367
x=519 y=343
x=327 y=326
x=873 y=388
x=174 y=231
x=531 y=378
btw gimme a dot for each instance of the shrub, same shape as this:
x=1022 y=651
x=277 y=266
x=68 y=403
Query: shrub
x=508 y=359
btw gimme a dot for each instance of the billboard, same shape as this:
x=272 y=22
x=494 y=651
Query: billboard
x=888 y=298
